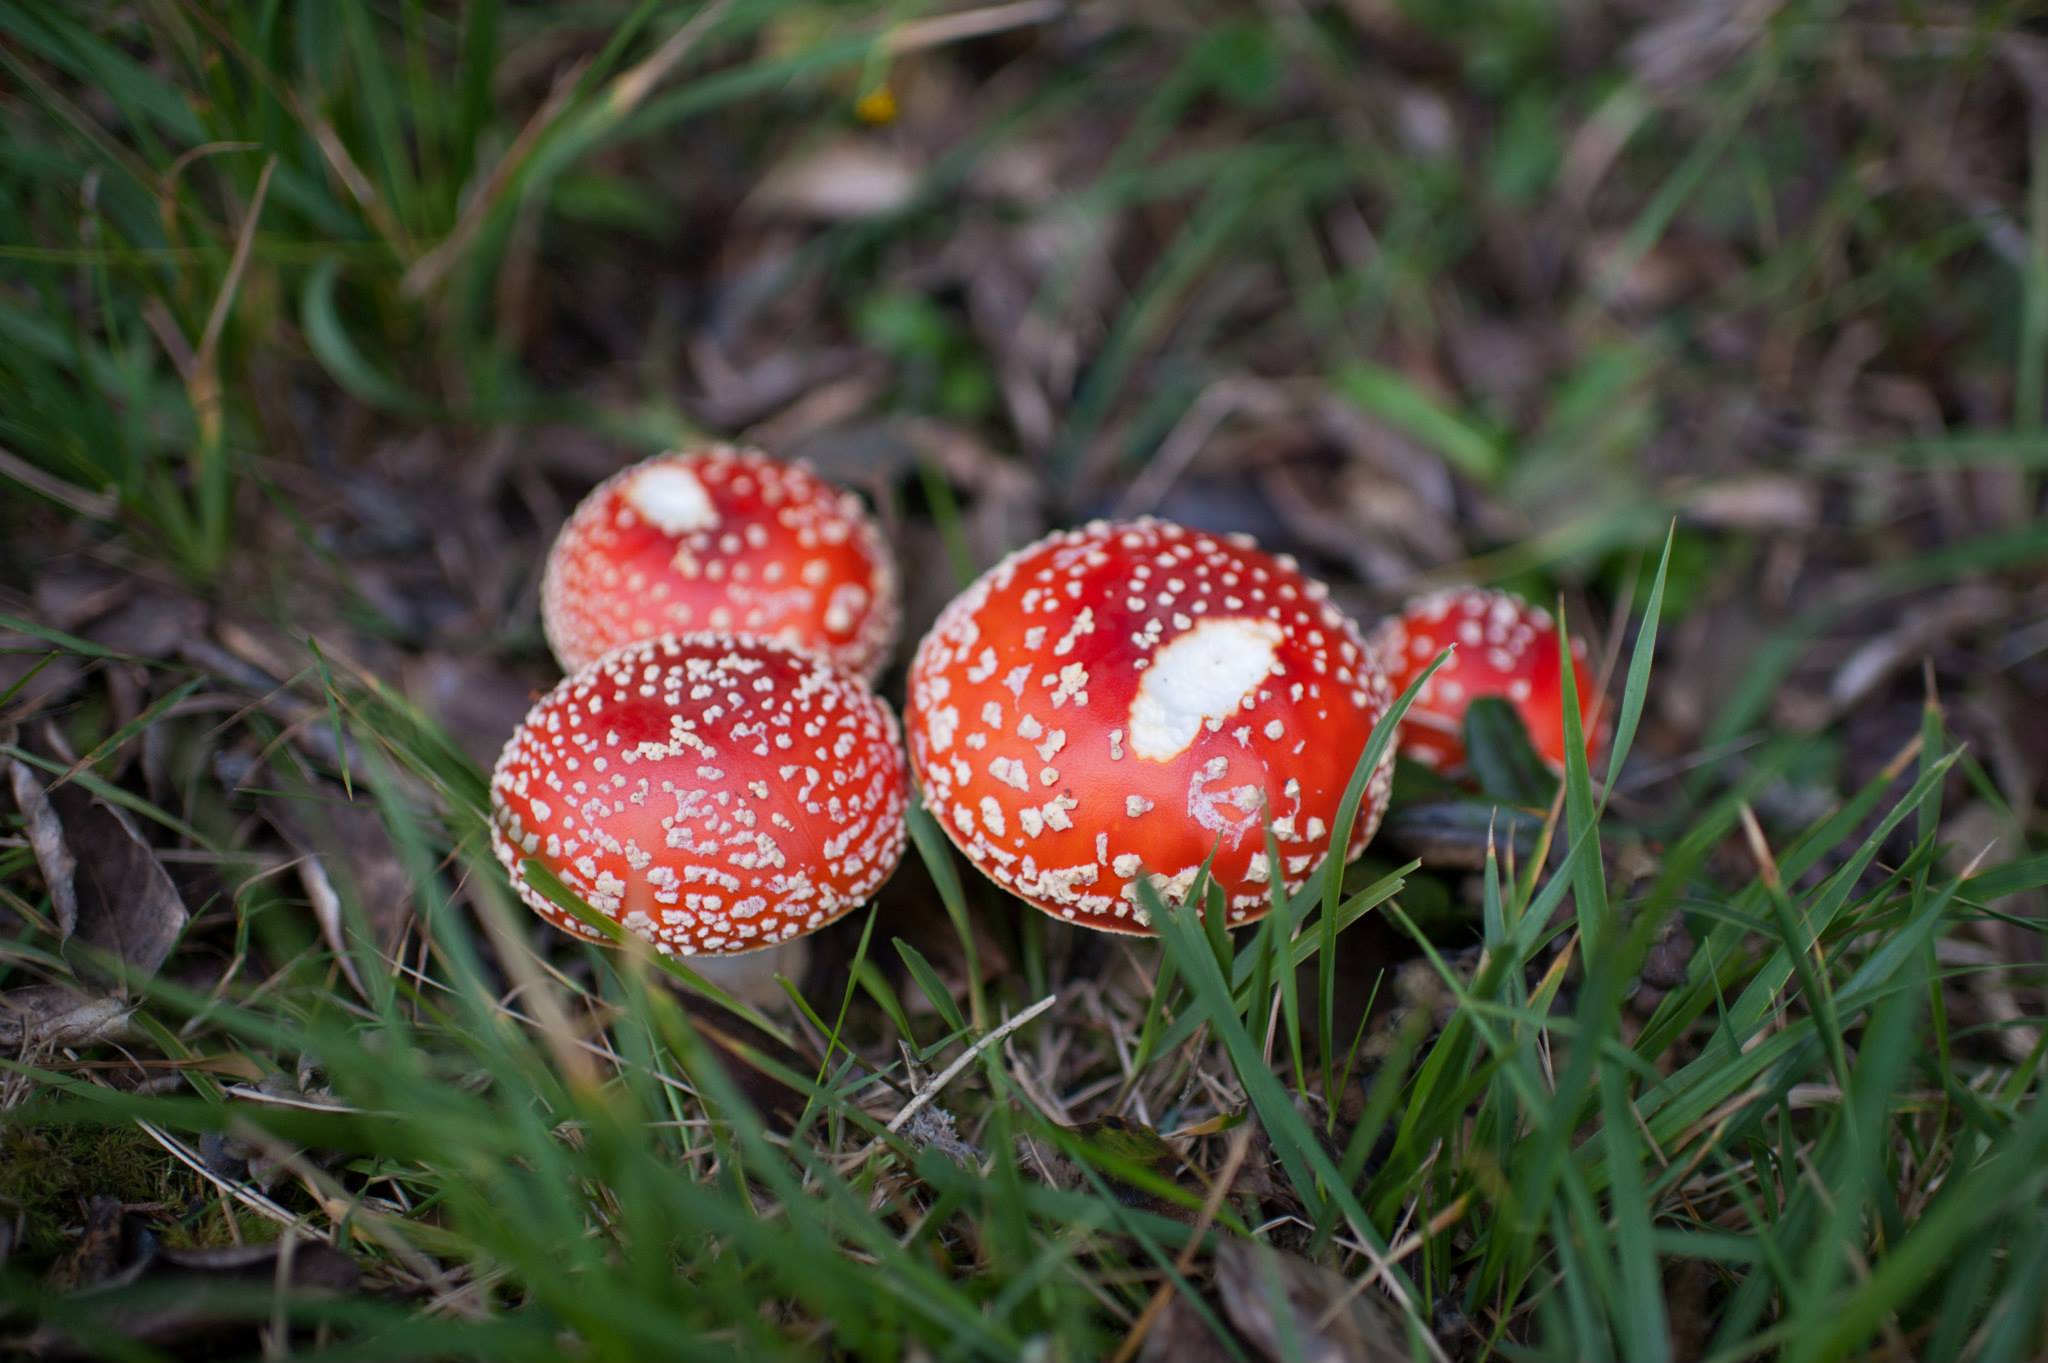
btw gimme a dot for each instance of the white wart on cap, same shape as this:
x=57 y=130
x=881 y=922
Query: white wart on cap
x=721 y=539
x=1118 y=702
x=713 y=794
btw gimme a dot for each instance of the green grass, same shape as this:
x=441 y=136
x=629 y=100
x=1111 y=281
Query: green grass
x=582 y=1151
x=1821 y=1142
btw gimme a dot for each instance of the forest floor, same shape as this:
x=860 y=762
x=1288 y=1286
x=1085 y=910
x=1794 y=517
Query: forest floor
x=1724 y=325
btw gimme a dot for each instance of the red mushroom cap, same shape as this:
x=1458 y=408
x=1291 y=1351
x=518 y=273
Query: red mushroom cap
x=1127 y=698
x=714 y=794
x=720 y=539
x=1506 y=648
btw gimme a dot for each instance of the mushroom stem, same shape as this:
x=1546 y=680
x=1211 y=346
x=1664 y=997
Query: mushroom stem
x=750 y=976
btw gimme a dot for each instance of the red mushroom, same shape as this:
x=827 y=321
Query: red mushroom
x=1127 y=700
x=1506 y=648
x=713 y=794
x=720 y=539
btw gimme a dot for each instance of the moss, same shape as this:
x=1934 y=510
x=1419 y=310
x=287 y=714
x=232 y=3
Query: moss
x=49 y=1172
x=216 y=1224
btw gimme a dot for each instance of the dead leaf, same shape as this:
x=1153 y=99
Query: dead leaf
x=1759 y=503
x=1290 y=1309
x=128 y=907
x=821 y=416
x=1691 y=42
x=348 y=853
x=327 y=912
x=111 y=1250
x=1918 y=630
x=314 y=1266
x=71 y=592
x=46 y=839
x=1674 y=268
x=149 y=623
x=845 y=181
x=58 y=1016
x=1180 y=1335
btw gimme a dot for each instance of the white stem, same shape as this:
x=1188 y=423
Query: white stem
x=750 y=977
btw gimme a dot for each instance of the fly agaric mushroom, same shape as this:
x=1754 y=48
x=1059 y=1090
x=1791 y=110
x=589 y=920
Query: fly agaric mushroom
x=1124 y=700
x=1506 y=648
x=720 y=539
x=712 y=793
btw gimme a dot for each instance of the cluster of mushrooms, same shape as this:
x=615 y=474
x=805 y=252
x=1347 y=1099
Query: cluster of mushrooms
x=1126 y=701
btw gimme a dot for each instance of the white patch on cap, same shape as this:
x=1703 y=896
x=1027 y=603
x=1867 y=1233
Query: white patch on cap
x=672 y=500
x=1205 y=674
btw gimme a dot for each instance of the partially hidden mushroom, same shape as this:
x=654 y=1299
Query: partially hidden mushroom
x=713 y=794
x=723 y=539
x=1505 y=648
x=1131 y=700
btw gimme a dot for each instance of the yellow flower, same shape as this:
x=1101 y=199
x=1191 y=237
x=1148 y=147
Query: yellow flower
x=877 y=106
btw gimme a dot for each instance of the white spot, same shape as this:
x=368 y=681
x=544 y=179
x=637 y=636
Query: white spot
x=1010 y=772
x=1084 y=624
x=672 y=500
x=1206 y=806
x=1203 y=675
x=849 y=599
x=1072 y=678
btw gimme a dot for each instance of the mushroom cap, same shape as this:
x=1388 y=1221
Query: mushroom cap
x=723 y=539
x=1506 y=648
x=712 y=793
x=1124 y=700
